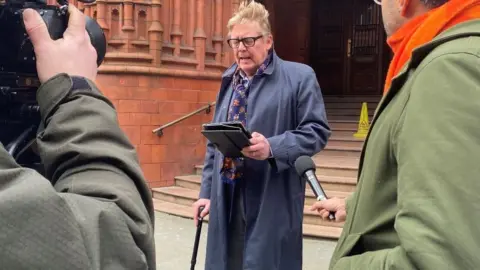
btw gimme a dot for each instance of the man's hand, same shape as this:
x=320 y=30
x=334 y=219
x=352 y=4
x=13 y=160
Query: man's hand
x=260 y=148
x=335 y=205
x=205 y=203
x=73 y=54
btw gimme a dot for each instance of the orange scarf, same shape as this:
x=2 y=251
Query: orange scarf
x=424 y=28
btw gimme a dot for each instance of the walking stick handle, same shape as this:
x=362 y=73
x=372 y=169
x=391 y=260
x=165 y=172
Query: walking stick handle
x=200 y=210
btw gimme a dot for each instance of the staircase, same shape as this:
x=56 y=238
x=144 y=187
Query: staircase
x=337 y=167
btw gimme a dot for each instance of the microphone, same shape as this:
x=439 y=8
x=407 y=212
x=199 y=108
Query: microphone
x=306 y=169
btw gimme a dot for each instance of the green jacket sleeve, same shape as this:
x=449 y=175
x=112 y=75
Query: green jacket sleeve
x=348 y=202
x=437 y=150
x=98 y=213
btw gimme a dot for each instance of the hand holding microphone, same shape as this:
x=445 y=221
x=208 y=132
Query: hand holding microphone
x=335 y=205
x=333 y=209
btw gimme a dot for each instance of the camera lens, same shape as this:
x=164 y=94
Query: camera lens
x=97 y=38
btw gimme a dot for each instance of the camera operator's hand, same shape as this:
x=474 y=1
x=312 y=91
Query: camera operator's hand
x=73 y=54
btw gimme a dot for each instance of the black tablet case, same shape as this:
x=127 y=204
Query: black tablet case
x=228 y=137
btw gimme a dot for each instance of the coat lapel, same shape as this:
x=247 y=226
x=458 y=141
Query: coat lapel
x=396 y=86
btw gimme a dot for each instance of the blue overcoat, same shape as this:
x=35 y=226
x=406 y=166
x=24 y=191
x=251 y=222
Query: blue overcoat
x=285 y=104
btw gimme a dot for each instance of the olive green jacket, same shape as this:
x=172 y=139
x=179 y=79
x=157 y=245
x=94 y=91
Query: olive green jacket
x=96 y=212
x=417 y=203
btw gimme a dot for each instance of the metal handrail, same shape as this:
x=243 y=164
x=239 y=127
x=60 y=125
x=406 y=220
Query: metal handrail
x=206 y=108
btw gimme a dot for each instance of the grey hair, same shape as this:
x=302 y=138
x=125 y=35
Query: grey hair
x=433 y=3
x=251 y=12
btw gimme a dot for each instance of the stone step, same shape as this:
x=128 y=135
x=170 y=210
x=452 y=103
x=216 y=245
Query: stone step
x=338 y=140
x=339 y=145
x=342 y=151
x=329 y=230
x=327 y=165
x=333 y=102
x=350 y=105
x=322 y=231
x=186 y=197
x=341 y=184
x=312 y=217
x=343 y=166
x=351 y=99
x=198 y=169
x=310 y=197
x=347 y=118
x=175 y=209
x=343 y=131
x=343 y=145
x=337 y=183
x=176 y=195
x=189 y=181
x=344 y=124
x=349 y=112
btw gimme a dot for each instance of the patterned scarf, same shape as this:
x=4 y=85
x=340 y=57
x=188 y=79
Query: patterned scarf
x=232 y=169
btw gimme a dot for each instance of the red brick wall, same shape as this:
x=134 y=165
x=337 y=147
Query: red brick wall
x=146 y=102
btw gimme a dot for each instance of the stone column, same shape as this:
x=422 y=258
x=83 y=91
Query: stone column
x=155 y=33
x=229 y=57
x=101 y=16
x=200 y=37
x=217 y=36
x=191 y=22
x=176 y=29
x=128 y=16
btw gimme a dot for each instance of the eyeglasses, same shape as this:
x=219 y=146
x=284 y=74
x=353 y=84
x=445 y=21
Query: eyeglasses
x=234 y=43
x=378 y=2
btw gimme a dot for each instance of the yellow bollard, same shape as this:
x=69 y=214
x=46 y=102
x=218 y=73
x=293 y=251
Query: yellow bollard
x=363 y=124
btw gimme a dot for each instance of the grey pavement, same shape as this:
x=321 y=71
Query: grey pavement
x=174 y=237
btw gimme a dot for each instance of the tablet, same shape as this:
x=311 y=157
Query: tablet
x=229 y=142
x=234 y=125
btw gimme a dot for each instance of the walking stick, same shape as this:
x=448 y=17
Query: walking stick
x=197 y=239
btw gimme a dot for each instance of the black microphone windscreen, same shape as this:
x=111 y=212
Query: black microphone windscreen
x=303 y=164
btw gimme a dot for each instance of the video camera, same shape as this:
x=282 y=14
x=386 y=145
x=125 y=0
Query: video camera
x=19 y=111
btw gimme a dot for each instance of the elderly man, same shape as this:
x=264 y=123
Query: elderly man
x=417 y=201
x=256 y=202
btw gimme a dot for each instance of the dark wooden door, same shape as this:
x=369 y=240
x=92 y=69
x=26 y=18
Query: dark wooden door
x=292 y=29
x=300 y=32
x=329 y=37
x=270 y=6
x=348 y=46
x=366 y=48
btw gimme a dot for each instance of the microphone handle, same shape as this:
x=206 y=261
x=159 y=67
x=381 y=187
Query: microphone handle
x=317 y=189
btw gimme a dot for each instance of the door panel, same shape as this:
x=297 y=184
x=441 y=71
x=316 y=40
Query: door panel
x=301 y=30
x=292 y=33
x=270 y=6
x=329 y=40
x=366 y=41
x=342 y=40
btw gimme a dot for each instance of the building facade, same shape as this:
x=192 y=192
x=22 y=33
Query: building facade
x=165 y=59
